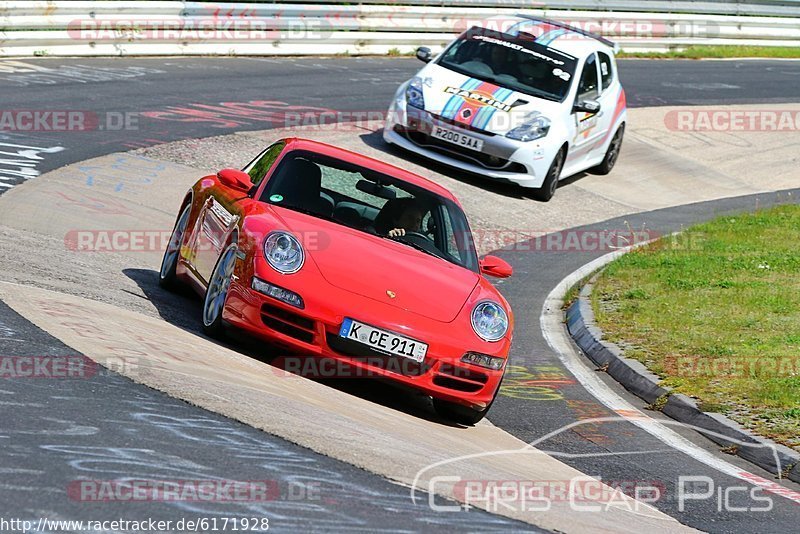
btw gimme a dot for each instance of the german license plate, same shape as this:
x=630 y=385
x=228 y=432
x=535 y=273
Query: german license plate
x=383 y=340
x=457 y=138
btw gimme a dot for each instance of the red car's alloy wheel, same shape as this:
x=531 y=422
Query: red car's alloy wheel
x=170 y=260
x=217 y=290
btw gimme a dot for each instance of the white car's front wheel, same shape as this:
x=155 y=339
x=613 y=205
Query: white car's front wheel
x=550 y=183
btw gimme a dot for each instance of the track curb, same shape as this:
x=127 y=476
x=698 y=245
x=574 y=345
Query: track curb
x=637 y=379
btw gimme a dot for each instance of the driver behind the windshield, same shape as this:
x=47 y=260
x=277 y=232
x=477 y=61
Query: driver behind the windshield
x=400 y=215
x=500 y=61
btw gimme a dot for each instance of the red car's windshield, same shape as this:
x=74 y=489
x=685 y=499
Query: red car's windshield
x=372 y=202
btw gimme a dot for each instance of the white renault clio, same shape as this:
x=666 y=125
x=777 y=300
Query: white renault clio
x=523 y=100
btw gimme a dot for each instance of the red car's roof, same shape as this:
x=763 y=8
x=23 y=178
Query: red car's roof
x=298 y=143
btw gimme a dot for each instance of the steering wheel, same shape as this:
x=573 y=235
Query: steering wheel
x=422 y=241
x=416 y=236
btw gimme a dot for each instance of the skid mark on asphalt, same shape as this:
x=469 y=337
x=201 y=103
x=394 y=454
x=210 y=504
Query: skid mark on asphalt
x=547 y=383
x=233 y=114
x=93 y=204
x=592 y=431
x=539 y=383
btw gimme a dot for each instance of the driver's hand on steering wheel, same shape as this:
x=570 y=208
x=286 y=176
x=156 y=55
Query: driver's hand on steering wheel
x=397 y=232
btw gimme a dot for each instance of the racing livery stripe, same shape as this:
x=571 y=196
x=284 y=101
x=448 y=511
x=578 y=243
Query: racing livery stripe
x=486 y=113
x=622 y=105
x=476 y=109
x=483 y=87
x=457 y=103
x=455 y=100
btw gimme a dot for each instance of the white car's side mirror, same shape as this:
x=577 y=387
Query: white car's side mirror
x=586 y=106
x=424 y=54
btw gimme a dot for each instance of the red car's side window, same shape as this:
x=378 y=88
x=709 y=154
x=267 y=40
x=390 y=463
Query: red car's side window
x=260 y=166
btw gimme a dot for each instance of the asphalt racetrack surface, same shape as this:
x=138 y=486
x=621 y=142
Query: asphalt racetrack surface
x=141 y=102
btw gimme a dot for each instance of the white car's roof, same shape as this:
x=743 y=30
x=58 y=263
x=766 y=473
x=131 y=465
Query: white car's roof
x=559 y=38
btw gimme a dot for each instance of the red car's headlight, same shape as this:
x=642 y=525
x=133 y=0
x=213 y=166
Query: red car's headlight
x=489 y=320
x=283 y=252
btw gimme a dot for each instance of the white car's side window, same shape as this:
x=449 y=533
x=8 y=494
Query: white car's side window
x=588 y=89
x=606 y=70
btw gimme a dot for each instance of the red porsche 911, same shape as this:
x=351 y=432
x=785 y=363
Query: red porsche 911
x=324 y=252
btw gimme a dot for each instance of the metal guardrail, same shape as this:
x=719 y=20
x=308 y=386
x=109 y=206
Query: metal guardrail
x=766 y=8
x=83 y=28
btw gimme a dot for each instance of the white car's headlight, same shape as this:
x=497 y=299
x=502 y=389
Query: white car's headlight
x=283 y=252
x=414 y=94
x=489 y=320
x=535 y=127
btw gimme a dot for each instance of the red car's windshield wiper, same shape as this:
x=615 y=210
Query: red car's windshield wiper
x=307 y=212
x=415 y=247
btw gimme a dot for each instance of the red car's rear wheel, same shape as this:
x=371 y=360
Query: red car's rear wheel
x=167 y=278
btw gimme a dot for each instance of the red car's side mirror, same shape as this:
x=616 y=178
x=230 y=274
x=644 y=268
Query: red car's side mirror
x=235 y=179
x=497 y=267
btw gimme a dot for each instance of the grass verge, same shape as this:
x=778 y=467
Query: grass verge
x=716 y=313
x=719 y=52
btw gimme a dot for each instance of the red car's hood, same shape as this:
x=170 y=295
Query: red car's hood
x=377 y=268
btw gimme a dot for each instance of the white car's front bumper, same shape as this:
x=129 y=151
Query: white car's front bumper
x=501 y=158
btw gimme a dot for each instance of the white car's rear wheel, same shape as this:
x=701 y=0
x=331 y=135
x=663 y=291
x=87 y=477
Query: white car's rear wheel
x=612 y=154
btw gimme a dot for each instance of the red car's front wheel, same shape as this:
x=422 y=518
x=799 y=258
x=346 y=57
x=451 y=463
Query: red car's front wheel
x=461 y=414
x=217 y=292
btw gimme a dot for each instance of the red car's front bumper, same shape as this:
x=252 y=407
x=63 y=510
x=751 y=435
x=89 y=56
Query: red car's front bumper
x=314 y=331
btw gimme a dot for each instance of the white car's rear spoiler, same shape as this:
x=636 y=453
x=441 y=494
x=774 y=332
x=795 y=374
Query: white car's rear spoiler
x=607 y=42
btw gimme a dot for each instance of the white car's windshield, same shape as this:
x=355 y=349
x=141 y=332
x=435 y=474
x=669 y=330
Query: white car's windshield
x=510 y=61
